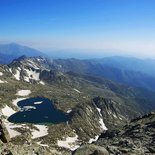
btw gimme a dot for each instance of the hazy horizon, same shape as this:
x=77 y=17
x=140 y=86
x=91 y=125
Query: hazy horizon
x=101 y=27
x=83 y=53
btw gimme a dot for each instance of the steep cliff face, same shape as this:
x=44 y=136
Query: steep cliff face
x=87 y=121
x=114 y=113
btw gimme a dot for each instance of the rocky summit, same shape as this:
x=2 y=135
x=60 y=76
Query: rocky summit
x=48 y=109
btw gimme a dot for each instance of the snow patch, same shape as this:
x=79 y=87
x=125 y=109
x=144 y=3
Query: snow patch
x=32 y=64
x=1 y=73
x=77 y=90
x=19 y=69
x=120 y=118
x=68 y=111
x=7 y=111
x=27 y=108
x=114 y=115
x=17 y=75
x=32 y=75
x=23 y=92
x=10 y=69
x=103 y=127
x=10 y=128
x=26 y=79
x=93 y=139
x=14 y=102
x=102 y=124
x=42 y=131
x=38 y=59
x=99 y=110
x=69 y=143
x=45 y=145
x=39 y=102
x=3 y=81
x=41 y=82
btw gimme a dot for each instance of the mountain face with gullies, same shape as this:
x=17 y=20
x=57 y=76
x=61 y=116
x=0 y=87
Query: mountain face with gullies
x=51 y=110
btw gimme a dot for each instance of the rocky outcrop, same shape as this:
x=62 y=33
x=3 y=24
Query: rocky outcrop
x=4 y=139
x=136 y=138
x=28 y=149
x=3 y=136
x=6 y=152
x=52 y=76
x=91 y=150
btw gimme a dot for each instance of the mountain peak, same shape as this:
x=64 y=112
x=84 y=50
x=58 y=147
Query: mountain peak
x=11 y=51
x=21 y=58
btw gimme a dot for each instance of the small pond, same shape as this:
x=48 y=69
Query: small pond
x=38 y=110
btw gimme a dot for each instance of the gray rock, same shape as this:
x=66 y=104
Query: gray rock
x=91 y=150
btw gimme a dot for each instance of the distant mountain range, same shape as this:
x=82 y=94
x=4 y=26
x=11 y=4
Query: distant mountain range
x=127 y=70
x=130 y=71
x=11 y=51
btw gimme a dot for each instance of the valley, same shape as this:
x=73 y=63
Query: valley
x=77 y=77
x=52 y=110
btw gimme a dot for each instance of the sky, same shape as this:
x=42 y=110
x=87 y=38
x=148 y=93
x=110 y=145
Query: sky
x=127 y=26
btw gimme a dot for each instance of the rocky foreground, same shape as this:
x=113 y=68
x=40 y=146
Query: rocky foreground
x=135 y=138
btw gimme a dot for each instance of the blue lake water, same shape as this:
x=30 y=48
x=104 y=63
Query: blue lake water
x=38 y=110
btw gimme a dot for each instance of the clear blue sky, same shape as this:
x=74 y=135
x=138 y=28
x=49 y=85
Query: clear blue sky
x=127 y=25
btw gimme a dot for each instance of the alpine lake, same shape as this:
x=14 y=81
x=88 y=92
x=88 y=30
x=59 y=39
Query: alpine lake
x=38 y=111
